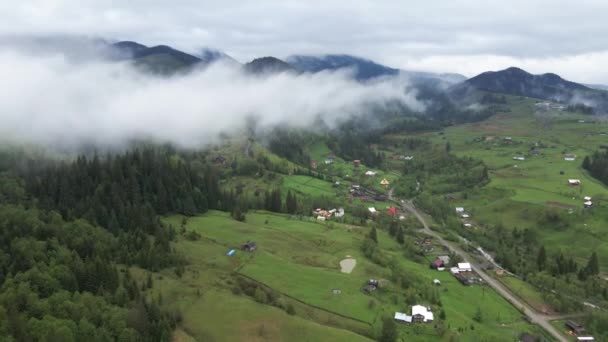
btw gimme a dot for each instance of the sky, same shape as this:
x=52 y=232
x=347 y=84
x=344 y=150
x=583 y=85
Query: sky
x=468 y=37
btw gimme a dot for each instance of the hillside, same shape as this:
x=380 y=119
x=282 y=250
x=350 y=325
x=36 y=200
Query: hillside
x=268 y=65
x=515 y=81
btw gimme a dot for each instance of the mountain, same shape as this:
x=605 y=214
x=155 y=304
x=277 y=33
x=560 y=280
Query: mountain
x=268 y=65
x=160 y=59
x=208 y=55
x=365 y=69
x=552 y=87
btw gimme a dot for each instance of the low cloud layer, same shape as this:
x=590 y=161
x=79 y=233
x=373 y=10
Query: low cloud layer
x=53 y=101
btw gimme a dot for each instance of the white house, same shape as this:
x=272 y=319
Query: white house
x=574 y=181
x=408 y=157
x=570 y=157
x=519 y=158
x=588 y=204
x=464 y=267
x=465 y=216
x=370 y=173
x=585 y=338
x=372 y=210
x=454 y=270
x=587 y=198
x=459 y=209
x=420 y=310
x=339 y=213
x=403 y=318
x=468 y=225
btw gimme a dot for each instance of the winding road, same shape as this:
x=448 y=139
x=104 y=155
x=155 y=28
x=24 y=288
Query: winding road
x=535 y=317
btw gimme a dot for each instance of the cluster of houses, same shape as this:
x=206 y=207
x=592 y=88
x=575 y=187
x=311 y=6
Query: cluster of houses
x=464 y=216
x=463 y=272
x=420 y=314
x=322 y=214
x=398 y=156
x=549 y=106
x=577 y=330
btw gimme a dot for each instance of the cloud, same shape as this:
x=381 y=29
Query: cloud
x=390 y=31
x=53 y=101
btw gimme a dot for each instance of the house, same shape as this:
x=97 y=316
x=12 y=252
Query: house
x=231 y=252
x=464 y=267
x=402 y=318
x=339 y=213
x=422 y=314
x=507 y=139
x=585 y=338
x=436 y=282
x=408 y=157
x=587 y=198
x=468 y=225
x=392 y=211
x=444 y=258
x=313 y=164
x=519 y=158
x=465 y=216
x=370 y=173
x=574 y=182
x=574 y=327
x=385 y=182
x=588 y=204
x=437 y=263
x=329 y=161
x=454 y=270
x=570 y=157
x=356 y=163
x=371 y=286
x=460 y=210
x=372 y=210
x=249 y=246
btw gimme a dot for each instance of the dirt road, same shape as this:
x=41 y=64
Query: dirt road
x=535 y=317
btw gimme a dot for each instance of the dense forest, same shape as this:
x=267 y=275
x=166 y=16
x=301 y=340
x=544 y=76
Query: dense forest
x=68 y=230
x=597 y=165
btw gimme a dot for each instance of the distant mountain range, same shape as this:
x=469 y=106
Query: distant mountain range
x=166 y=60
x=364 y=69
x=515 y=81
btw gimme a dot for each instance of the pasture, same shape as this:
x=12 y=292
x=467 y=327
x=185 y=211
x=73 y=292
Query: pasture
x=300 y=260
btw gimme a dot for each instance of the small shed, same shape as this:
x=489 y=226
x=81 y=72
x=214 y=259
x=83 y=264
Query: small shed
x=231 y=252
x=574 y=182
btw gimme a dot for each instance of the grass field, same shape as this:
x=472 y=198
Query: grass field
x=300 y=260
x=520 y=191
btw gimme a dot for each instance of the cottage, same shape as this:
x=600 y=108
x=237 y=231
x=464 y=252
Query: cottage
x=465 y=216
x=519 y=158
x=372 y=210
x=574 y=327
x=574 y=182
x=392 y=211
x=422 y=314
x=437 y=263
x=370 y=173
x=588 y=204
x=464 y=267
x=460 y=210
x=356 y=163
x=585 y=338
x=249 y=246
x=468 y=225
x=570 y=157
x=403 y=318
x=408 y=157
x=444 y=258
x=587 y=198
x=339 y=213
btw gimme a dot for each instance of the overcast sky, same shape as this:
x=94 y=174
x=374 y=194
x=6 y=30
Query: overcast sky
x=468 y=37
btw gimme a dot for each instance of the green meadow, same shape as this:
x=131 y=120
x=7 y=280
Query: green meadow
x=299 y=259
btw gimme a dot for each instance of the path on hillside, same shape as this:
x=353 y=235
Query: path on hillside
x=540 y=319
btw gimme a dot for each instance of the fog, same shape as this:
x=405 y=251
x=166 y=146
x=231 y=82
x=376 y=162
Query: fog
x=51 y=100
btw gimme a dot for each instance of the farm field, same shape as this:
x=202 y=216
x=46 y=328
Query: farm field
x=520 y=191
x=300 y=260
